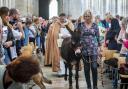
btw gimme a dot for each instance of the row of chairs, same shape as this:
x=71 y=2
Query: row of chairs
x=107 y=54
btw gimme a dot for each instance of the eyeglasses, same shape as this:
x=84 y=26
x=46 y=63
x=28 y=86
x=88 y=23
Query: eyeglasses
x=87 y=16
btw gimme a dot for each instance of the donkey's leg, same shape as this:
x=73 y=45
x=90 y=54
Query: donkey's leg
x=65 y=76
x=70 y=77
x=77 y=75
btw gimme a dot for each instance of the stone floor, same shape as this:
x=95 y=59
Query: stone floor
x=60 y=83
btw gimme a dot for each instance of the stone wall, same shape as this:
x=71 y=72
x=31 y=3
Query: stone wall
x=98 y=7
x=71 y=7
x=26 y=7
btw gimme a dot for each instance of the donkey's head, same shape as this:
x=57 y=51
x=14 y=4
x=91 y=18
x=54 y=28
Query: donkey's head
x=75 y=42
x=76 y=38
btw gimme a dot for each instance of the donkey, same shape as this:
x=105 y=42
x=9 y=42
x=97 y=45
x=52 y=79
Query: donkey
x=70 y=52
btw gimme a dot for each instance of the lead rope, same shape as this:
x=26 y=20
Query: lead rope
x=101 y=65
x=101 y=71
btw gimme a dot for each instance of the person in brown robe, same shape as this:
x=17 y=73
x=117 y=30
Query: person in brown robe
x=52 y=55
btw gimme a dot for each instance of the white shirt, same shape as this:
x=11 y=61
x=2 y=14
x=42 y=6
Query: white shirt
x=32 y=32
x=17 y=35
x=64 y=33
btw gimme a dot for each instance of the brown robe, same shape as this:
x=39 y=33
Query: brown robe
x=52 y=55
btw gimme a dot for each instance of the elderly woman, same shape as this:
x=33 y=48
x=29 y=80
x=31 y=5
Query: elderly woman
x=90 y=42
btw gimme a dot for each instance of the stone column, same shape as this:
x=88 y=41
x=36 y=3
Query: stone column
x=13 y=3
x=119 y=8
x=36 y=7
x=28 y=7
x=1 y=2
x=103 y=7
x=9 y=3
x=60 y=6
x=82 y=6
x=22 y=6
x=113 y=7
x=95 y=7
x=127 y=8
x=70 y=7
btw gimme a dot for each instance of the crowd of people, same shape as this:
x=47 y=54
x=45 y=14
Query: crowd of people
x=17 y=32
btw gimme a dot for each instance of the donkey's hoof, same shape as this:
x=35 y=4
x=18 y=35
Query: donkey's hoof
x=70 y=87
x=77 y=87
x=50 y=82
x=65 y=79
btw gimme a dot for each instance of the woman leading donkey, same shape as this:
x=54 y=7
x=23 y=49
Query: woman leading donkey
x=90 y=43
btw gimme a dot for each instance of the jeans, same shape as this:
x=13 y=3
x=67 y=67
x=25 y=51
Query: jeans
x=93 y=66
x=115 y=77
x=43 y=44
x=38 y=43
x=7 y=59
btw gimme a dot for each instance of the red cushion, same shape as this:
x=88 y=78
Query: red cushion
x=125 y=42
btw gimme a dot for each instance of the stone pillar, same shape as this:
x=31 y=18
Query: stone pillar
x=77 y=7
x=127 y=8
x=28 y=7
x=72 y=7
x=95 y=7
x=60 y=6
x=22 y=7
x=119 y=4
x=13 y=3
x=36 y=7
x=103 y=7
x=1 y=2
x=124 y=9
x=113 y=7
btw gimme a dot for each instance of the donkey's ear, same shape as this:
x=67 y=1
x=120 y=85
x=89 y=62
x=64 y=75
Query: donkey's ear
x=78 y=31
x=75 y=30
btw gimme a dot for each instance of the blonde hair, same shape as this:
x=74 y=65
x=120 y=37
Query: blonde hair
x=88 y=12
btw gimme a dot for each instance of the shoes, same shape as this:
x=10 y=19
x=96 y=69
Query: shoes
x=62 y=75
x=114 y=87
x=89 y=88
x=95 y=87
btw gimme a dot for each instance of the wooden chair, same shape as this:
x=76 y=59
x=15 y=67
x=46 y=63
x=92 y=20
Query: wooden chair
x=109 y=54
x=116 y=55
x=122 y=60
